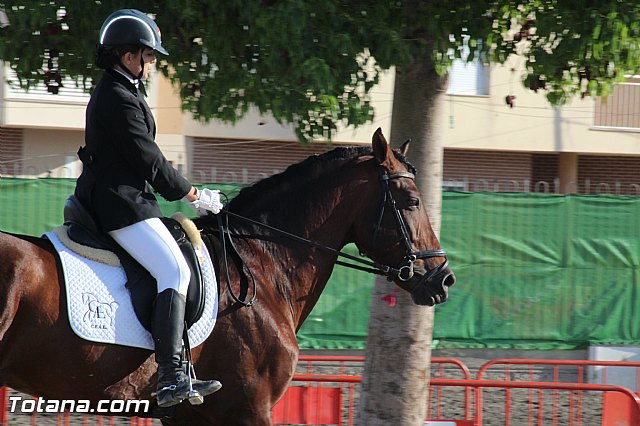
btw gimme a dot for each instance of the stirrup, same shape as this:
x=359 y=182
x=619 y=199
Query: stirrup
x=193 y=396
x=170 y=395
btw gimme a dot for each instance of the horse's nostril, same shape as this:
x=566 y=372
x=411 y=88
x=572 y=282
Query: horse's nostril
x=449 y=280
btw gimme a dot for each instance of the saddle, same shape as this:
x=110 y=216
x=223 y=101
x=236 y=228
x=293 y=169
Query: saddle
x=82 y=229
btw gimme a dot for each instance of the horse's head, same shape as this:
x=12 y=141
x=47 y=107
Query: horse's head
x=396 y=231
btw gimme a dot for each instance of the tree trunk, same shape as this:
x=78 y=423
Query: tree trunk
x=398 y=355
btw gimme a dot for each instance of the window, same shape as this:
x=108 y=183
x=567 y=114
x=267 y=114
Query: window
x=468 y=78
x=621 y=109
x=68 y=91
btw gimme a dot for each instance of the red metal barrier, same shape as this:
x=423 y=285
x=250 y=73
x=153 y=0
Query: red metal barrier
x=353 y=365
x=290 y=410
x=309 y=362
x=629 y=417
x=622 y=406
x=616 y=409
x=629 y=401
x=329 y=399
x=557 y=365
x=309 y=405
x=298 y=404
x=3 y=405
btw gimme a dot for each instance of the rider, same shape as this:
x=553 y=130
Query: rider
x=121 y=163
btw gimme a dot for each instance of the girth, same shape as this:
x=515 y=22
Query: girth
x=82 y=229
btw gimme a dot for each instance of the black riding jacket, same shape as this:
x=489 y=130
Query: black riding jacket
x=121 y=159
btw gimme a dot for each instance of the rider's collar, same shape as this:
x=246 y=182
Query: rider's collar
x=133 y=81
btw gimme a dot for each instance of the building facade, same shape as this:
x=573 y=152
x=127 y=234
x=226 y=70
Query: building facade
x=587 y=146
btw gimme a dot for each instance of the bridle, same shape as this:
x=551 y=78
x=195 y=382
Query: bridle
x=403 y=272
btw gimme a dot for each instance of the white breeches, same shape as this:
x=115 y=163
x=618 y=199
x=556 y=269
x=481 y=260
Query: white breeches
x=151 y=244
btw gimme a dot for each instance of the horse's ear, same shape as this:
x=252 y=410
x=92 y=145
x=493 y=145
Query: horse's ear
x=380 y=146
x=404 y=148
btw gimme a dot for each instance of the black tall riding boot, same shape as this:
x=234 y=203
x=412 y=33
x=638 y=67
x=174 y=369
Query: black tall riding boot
x=167 y=328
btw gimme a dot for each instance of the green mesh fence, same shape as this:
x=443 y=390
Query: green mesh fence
x=533 y=271
x=541 y=271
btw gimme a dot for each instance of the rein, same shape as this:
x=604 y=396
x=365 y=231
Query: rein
x=374 y=267
x=225 y=262
x=403 y=272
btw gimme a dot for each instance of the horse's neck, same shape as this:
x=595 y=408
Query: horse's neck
x=306 y=269
x=308 y=280
x=325 y=220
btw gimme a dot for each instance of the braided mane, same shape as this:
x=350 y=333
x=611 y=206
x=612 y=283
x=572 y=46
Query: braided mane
x=300 y=172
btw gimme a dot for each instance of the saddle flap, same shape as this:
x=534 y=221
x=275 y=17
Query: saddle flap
x=82 y=229
x=99 y=305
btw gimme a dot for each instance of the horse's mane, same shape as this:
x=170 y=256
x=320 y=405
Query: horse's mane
x=311 y=166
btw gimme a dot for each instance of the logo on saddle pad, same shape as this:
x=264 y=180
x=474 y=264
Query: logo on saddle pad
x=99 y=314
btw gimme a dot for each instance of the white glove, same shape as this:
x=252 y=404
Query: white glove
x=208 y=201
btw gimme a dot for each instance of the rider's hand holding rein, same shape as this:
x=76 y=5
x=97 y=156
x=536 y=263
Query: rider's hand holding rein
x=203 y=201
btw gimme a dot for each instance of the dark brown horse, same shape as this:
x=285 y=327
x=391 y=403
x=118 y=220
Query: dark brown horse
x=361 y=195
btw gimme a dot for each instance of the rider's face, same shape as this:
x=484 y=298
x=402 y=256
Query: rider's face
x=132 y=61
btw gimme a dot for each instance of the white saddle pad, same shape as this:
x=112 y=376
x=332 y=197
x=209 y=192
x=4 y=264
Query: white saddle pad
x=100 y=308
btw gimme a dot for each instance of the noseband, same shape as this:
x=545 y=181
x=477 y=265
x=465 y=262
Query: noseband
x=404 y=271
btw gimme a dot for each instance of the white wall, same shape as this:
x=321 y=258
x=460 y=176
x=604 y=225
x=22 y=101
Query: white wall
x=621 y=376
x=51 y=153
x=254 y=126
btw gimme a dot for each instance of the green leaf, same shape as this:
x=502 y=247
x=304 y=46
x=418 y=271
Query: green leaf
x=304 y=61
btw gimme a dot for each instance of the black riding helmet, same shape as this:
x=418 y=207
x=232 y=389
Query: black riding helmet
x=130 y=27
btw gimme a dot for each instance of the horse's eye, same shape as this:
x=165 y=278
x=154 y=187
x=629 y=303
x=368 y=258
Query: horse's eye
x=413 y=203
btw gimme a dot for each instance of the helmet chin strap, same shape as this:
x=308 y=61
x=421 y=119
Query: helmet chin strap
x=128 y=71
